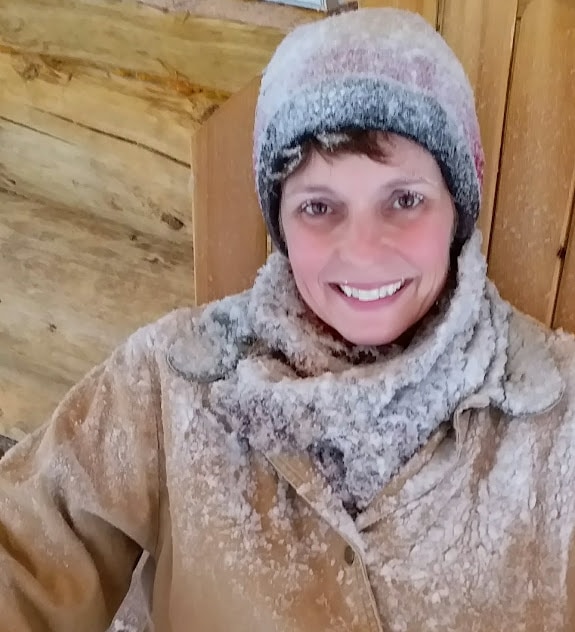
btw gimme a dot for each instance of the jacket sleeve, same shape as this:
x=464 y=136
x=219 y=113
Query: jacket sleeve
x=79 y=500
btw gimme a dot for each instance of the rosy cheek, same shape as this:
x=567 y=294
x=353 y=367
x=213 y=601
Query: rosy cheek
x=305 y=254
x=426 y=244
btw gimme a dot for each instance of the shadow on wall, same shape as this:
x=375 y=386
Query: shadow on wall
x=5 y=444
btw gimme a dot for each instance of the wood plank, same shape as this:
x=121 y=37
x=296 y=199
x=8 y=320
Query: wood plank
x=220 y=55
x=46 y=157
x=72 y=286
x=565 y=309
x=156 y=114
x=29 y=395
x=427 y=8
x=229 y=233
x=480 y=32
x=533 y=202
x=255 y=12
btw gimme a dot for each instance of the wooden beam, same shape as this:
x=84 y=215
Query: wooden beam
x=481 y=32
x=534 y=198
x=157 y=113
x=426 y=8
x=565 y=309
x=46 y=157
x=229 y=234
x=220 y=55
x=73 y=285
x=255 y=12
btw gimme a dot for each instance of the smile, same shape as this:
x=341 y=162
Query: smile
x=374 y=294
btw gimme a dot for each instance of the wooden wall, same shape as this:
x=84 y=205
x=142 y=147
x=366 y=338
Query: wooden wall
x=98 y=100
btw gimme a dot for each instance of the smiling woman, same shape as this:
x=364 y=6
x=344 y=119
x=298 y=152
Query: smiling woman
x=369 y=241
x=367 y=438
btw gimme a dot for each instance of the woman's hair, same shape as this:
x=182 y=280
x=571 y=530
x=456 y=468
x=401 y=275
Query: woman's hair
x=360 y=142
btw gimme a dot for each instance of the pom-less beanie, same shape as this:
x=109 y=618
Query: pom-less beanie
x=371 y=69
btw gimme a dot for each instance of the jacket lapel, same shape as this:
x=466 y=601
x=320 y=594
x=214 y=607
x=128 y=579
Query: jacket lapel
x=299 y=471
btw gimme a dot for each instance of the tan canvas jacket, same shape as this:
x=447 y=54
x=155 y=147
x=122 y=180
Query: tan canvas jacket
x=475 y=533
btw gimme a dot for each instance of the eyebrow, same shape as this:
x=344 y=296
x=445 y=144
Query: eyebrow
x=392 y=184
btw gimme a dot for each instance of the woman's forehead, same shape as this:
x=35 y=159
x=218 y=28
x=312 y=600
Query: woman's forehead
x=405 y=161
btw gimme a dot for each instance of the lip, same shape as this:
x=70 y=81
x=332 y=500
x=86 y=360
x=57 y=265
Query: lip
x=368 y=306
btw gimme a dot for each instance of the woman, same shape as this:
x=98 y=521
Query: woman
x=367 y=439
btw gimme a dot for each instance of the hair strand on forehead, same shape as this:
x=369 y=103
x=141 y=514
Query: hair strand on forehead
x=360 y=142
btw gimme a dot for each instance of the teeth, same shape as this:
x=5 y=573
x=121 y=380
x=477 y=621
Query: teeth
x=371 y=295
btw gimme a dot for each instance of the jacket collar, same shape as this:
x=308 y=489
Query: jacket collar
x=533 y=383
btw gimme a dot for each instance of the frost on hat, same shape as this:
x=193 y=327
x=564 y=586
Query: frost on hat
x=384 y=69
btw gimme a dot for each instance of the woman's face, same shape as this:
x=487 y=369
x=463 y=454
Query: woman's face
x=369 y=242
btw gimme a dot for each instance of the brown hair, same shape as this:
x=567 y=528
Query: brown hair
x=363 y=142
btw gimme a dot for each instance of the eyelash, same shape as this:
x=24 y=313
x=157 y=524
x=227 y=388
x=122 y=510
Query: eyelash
x=304 y=208
x=417 y=199
x=310 y=204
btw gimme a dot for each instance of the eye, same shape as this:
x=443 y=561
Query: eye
x=315 y=209
x=408 y=200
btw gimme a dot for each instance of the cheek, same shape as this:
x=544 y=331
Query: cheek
x=429 y=242
x=307 y=256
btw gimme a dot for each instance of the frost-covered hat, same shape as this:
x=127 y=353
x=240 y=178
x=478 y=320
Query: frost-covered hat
x=382 y=69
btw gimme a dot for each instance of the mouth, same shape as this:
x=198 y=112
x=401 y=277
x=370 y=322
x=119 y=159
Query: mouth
x=370 y=295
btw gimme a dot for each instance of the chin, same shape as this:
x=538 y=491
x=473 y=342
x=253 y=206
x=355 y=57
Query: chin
x=363 y=340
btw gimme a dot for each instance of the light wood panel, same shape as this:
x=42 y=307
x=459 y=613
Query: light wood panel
x=216 y=54
x=73 y=286
x=98 y=102
x=157 y=113
x=52 y=159
x=533 y=202
x=565 y=309
x=480 y=32
x=229 y=233
x=256 y=13
x=427 y=8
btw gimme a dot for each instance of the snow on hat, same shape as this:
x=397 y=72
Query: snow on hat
x=382 y=69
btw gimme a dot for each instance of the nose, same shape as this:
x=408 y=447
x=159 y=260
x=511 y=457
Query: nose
x=363 y=239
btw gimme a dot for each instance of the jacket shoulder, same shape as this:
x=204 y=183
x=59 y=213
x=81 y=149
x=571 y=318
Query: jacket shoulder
x=195 y=341
x=562 y=347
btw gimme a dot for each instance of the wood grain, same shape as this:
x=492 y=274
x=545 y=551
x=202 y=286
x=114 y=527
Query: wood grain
x=73 y=285
x=534 y=199
x=427 y=8
x=229 y=233
x=255 y=12
x=480 y=32
x=45 y=157
x=565 y=308
x=99 y=100
x=157 y=113
x=221 y=55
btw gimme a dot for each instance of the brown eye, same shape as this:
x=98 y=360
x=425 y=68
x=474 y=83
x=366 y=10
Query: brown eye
x=408 y=200
x=314 y=209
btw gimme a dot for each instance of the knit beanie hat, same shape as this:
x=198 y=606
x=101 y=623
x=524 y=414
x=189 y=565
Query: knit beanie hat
x=371 y=69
